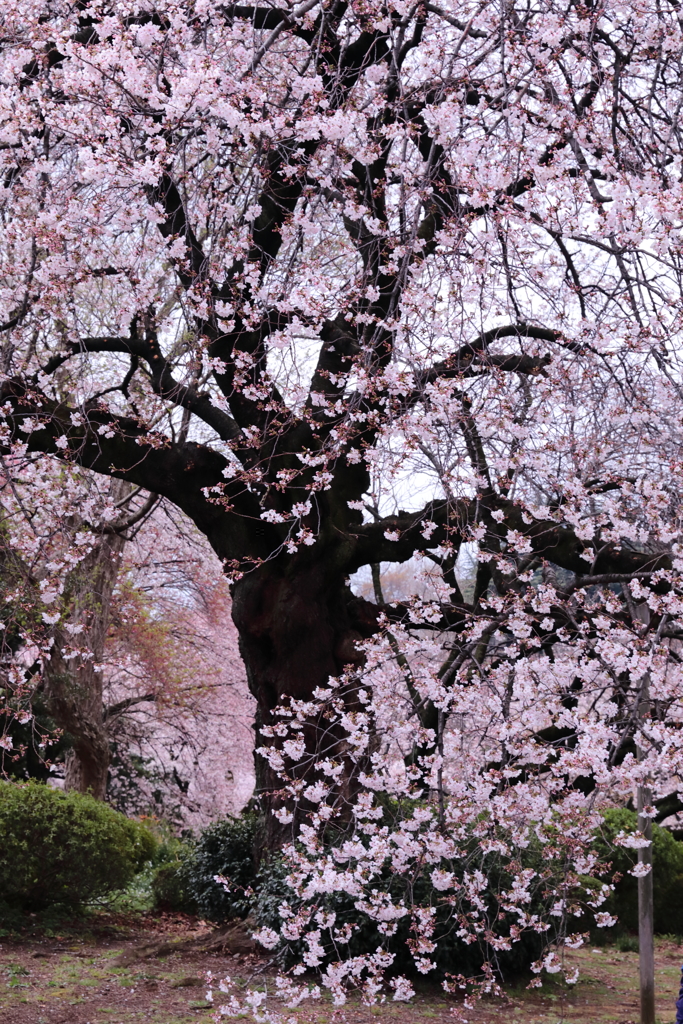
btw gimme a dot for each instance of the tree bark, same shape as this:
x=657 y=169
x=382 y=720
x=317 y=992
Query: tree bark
x=298 y=625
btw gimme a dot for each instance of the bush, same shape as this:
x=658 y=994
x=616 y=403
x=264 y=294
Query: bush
x=64 y=848
x=170 y=887
x=451 y=956
x=224 y=848
x=667 y=873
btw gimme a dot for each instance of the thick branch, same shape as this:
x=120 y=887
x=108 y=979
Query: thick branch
x=164 y=383
x=125 y=524
x=124 y=705
x=477 y=350
x=115 y=446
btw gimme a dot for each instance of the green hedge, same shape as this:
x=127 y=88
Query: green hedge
x=64 y=848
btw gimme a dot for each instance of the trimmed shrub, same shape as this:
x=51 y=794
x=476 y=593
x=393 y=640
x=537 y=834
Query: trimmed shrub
x=224 y=848
x=667 y=874
x=64 y=848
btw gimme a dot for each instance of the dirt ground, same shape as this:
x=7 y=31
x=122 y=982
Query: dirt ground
x=152 y=971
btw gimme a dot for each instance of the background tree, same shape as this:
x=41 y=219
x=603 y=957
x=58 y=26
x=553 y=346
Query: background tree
x=178 y=706
x=111 y=647
x=57 y=583
x=260 y=259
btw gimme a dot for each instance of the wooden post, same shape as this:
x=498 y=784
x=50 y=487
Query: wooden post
x=646 y=941
x=645 y=915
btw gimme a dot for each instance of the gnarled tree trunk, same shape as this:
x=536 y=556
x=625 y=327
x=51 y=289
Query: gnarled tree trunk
x=298 y=625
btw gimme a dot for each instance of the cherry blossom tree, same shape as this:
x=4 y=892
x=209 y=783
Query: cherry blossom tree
x=353 y=283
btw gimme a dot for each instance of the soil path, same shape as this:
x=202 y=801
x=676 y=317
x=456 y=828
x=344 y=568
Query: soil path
x=154 y=973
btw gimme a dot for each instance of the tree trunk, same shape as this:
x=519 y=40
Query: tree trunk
x=298 y=625
x=73 y=685
x=87 y=763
